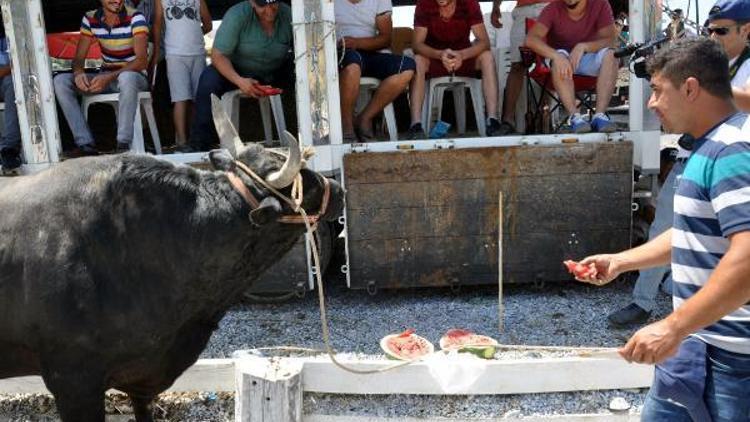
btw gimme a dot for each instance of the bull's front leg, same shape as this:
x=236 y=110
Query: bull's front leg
x=142 y=408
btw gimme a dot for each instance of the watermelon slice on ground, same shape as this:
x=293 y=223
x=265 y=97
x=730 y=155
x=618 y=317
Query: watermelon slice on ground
x=406 y=346
x=468 y=341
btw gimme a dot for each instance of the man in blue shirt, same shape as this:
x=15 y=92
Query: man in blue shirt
x=10 y=142
x=708 y=245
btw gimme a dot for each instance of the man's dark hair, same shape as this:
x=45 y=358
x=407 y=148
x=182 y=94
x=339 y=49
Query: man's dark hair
x=701 y=58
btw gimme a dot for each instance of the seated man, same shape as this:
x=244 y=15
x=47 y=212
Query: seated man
x=364 y=28
x=250 y=50
x=122 y=35
x=10 y=142
x=579 y=35
x=443 y=47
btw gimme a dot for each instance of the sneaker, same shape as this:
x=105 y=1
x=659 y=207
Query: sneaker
x=601 y=123
x=628 y=316
x=493 y=127
x=186 y=148
x=576 y=124
x=85 y=150
x=122 y=148
x=415 y=132
x=10 y=159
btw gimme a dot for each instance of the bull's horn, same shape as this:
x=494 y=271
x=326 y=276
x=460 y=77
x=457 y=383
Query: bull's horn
x=228 y=136
x=285 y=176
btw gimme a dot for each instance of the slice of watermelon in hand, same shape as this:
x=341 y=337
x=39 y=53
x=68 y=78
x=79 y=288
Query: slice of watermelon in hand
x=268 y=90
x=580 y=271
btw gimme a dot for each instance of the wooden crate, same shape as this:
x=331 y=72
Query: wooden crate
x=430 y=218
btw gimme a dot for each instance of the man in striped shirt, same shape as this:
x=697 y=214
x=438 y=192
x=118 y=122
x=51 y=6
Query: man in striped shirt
x=709 y=246
x=122 y=34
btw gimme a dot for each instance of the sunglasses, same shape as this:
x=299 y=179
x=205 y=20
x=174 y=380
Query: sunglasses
x=719 y=30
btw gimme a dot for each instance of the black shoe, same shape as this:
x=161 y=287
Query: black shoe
x=506 y=129
x=86 y=150
x=122 y=148
x=493 y=127
x=186 y=148
x=10 y=159
x=415 y=132
x=628 y=316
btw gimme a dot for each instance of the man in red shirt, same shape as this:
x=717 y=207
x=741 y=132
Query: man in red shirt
x=576 y=36
x=443 y=47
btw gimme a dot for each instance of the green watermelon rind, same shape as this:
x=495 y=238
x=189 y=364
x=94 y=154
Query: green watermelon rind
x=484 y=352
x=392 y=356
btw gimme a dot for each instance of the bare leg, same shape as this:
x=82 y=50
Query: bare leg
x=486 y=63
x=348 y=93
x=512 y=91
x=605 y=82
x=565 y=91
x=180 y=121
x=389 y=89
x=416 y=91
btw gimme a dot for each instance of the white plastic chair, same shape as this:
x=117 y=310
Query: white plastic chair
x=457 y=84
x=144 y=100
x=231 y=102
x=366 y=87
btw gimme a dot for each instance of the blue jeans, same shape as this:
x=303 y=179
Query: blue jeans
x=12 y=134
x=128 y=84
x=647 y=285
x=203 y=131
x=727 y=393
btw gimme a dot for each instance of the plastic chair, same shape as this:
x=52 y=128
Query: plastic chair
x=366 y=87
x=144 y=100
x=231 y=102
x=457 y=84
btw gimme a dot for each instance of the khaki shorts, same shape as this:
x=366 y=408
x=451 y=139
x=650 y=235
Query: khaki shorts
x=183 y=73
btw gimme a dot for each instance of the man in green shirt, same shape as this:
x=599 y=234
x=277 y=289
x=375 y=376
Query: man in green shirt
x=251 y=46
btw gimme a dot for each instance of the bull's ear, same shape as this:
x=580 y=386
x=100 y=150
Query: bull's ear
x=268 y=210
x=221 y=159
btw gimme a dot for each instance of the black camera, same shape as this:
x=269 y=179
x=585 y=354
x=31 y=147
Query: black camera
x=638 y=53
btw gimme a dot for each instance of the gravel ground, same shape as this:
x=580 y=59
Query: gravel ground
x=558 y=314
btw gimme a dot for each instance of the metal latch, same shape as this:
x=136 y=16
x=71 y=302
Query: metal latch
x=360 y=148
x=445 y=144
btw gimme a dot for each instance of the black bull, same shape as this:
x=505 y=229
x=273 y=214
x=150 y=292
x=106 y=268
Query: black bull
x=115 y=271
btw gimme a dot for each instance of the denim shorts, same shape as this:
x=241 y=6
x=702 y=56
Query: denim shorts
x=590 y=62
x=377 y=65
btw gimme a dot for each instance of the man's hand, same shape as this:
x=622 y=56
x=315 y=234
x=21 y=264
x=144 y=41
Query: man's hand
x=562 y=67
x=608 y=267
x=82 y=82
x=451 y=60
x=349 y=43
x=100 y=82
x=495 y=16
x=575 y=55
x=250 y=87
x=653 y=343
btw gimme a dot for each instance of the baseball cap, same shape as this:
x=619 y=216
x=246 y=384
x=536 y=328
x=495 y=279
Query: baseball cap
x=736 y=10
x=262 y=3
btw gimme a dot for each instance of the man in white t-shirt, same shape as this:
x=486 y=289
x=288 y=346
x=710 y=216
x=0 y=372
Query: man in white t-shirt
x=363 y=28
x=729 y=25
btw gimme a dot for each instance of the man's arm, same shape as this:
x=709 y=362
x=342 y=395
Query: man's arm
x=224 y=66
x=480 y=44
x=420 y=47
x=140 y=63
x=496 y=15
x=384 y=24
x=605 y=37
x=206 y=20
x=535 y=41
x=4 y=71
x=157 y=28
x=727 y=289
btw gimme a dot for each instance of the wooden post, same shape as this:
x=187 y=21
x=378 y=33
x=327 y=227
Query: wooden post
x=268 y=390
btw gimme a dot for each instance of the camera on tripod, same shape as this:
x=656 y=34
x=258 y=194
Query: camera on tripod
x=638 y=53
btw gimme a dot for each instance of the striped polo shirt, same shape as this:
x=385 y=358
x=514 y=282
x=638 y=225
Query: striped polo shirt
x=711 y=203
x=115 y=42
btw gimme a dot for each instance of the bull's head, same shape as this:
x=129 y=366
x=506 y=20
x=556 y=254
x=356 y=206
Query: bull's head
x=278 y=168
